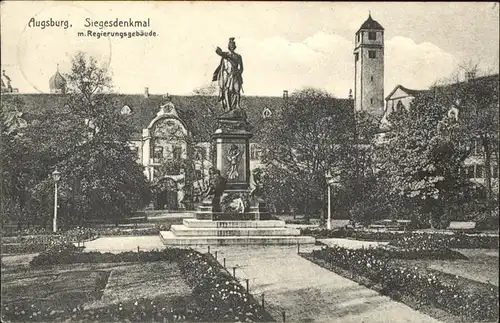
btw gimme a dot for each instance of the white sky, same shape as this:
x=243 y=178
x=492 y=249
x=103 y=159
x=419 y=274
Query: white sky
x=285 y=45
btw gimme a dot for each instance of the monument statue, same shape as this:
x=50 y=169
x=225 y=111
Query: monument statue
x=256 y=192
x=216 y=187
x=228 y=76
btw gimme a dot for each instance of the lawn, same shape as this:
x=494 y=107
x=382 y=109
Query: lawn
x=92 y=285
x=151 y=280
x=481 y=267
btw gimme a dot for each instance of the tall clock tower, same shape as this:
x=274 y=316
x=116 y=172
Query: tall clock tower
x=369 y=68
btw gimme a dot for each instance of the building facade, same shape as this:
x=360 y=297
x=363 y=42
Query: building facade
x=172 y=134
x=474 y=165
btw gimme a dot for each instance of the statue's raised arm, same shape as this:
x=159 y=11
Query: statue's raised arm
x=229 y=77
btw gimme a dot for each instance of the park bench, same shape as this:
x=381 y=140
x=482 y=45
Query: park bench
x=464 y=226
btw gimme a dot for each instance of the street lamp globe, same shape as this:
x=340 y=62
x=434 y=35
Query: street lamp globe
x=56 y=175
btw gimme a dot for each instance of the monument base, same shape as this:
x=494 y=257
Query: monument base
x=195 y=232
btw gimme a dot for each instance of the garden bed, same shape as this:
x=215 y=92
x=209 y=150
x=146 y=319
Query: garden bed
x=457 y=240
x=418 y=287
x=215 y=295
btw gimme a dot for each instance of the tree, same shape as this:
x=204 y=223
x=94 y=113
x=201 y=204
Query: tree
x=15 y=161
x=101 y=178
x=314 y=133
x=476 y=100
x=422 y=157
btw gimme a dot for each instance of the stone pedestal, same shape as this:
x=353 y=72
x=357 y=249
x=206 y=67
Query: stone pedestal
x=195 y=232
x=233 y=154
x=254 y=225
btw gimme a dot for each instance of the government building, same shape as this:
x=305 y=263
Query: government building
x=174 y=129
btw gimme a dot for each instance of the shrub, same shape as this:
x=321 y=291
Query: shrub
x=69 y=254
x=54 y=254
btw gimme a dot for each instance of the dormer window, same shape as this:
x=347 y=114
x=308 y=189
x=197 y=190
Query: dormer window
x=372 y=35
x=126 y=110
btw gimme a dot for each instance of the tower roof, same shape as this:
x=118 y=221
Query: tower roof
x=57 y=81
x=371 y=24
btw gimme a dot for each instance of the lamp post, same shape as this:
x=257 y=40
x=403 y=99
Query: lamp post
x=329 y=178
x=56 y=176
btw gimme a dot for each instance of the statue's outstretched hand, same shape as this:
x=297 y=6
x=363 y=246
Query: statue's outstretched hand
x=218 y=50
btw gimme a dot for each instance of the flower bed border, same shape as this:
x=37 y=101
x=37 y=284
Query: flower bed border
x=434 y=312
x=222 y=296
x=207 y=278
x=403 y=283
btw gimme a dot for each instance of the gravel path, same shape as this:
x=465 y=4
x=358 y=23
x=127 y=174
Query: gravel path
x=290 y=283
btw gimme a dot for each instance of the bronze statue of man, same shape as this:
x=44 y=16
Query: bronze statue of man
x=229 y=77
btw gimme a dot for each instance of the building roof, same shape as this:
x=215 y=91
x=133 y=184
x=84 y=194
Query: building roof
x=371 y=24
x=193 y=110
x=406 y=90
x=487 y=80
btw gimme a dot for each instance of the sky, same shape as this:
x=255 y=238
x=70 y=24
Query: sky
x=284 y=45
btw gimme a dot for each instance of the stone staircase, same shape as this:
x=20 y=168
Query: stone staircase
x=195 y=232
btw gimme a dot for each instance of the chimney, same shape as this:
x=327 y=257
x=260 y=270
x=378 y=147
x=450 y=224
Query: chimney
x=146 y=92
x=285 y=94
x=350 y=94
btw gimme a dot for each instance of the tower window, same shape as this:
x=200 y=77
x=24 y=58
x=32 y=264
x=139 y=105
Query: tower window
x=359 y=37
x=372 y=54
x=356 y=57
x=372 y=35
x=371 y=101
x=371 y=78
